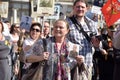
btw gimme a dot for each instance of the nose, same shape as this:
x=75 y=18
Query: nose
x=57 y=28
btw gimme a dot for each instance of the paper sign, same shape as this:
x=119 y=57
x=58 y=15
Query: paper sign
x=26 y=22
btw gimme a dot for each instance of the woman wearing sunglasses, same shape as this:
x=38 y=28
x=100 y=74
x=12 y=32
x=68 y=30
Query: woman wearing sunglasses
x=34 y=35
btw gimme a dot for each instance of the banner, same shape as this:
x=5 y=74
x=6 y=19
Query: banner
x=111 y=11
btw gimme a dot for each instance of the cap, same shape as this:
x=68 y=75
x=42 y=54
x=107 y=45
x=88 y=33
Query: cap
x=112 y=28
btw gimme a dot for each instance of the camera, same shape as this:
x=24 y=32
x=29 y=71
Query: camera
x=99 y=37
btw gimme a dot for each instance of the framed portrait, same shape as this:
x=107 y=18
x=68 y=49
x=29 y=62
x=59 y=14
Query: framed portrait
x=4 y=9
x=25 y=22
x=34 y=8
x=56 y=13
x=40 y=7
x=46 y=6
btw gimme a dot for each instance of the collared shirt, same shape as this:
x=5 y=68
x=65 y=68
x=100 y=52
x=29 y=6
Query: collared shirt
x=85 y=47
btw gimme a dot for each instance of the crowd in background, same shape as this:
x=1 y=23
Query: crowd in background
x=80 y=46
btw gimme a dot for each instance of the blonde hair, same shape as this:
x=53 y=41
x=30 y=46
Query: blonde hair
x=67 y=25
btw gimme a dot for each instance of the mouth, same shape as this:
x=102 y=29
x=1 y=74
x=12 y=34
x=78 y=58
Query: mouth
x=57 y=32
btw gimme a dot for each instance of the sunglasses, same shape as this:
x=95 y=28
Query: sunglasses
x=17 y=27
x=37 y=30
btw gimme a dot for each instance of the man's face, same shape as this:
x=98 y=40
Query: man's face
x=46 y=28
x=27 y=19
x=79 y=9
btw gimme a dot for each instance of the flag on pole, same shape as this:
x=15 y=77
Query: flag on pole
x=111 y=11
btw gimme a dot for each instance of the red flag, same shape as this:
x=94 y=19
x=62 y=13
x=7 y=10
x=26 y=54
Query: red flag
x=111 y=11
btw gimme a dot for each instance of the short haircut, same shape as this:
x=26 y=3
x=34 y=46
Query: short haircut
x=84 y=1
x=67 y=25
x=36 y=24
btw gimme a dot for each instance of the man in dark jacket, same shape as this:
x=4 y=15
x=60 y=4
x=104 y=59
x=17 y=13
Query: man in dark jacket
x=105 y=56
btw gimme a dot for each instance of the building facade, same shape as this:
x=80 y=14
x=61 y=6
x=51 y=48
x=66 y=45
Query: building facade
x=23 y=7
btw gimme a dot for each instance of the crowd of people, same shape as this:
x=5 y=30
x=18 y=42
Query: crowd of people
x=74 y=49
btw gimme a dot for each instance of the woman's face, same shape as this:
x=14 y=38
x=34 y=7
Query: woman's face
x=35 y=32
x=17 y=28
x=60 y=29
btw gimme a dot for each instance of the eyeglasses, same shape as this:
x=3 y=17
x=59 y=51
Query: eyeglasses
x=37 y=30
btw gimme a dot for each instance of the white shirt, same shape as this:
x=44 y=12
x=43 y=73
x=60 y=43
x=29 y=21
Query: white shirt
x=27 y=42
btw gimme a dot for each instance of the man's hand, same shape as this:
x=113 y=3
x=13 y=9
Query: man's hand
x=80 y=59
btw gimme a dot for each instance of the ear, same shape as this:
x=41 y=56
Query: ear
x=68 y=31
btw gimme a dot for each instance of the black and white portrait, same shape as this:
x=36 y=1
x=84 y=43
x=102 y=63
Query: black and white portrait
x=35 y=6
x=26 y=22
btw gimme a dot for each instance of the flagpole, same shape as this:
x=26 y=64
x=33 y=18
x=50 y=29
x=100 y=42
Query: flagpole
x=101 y=18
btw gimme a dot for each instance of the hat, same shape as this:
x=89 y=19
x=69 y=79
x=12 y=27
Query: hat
x=112 y=28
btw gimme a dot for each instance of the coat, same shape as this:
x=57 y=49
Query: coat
x=50 y=69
